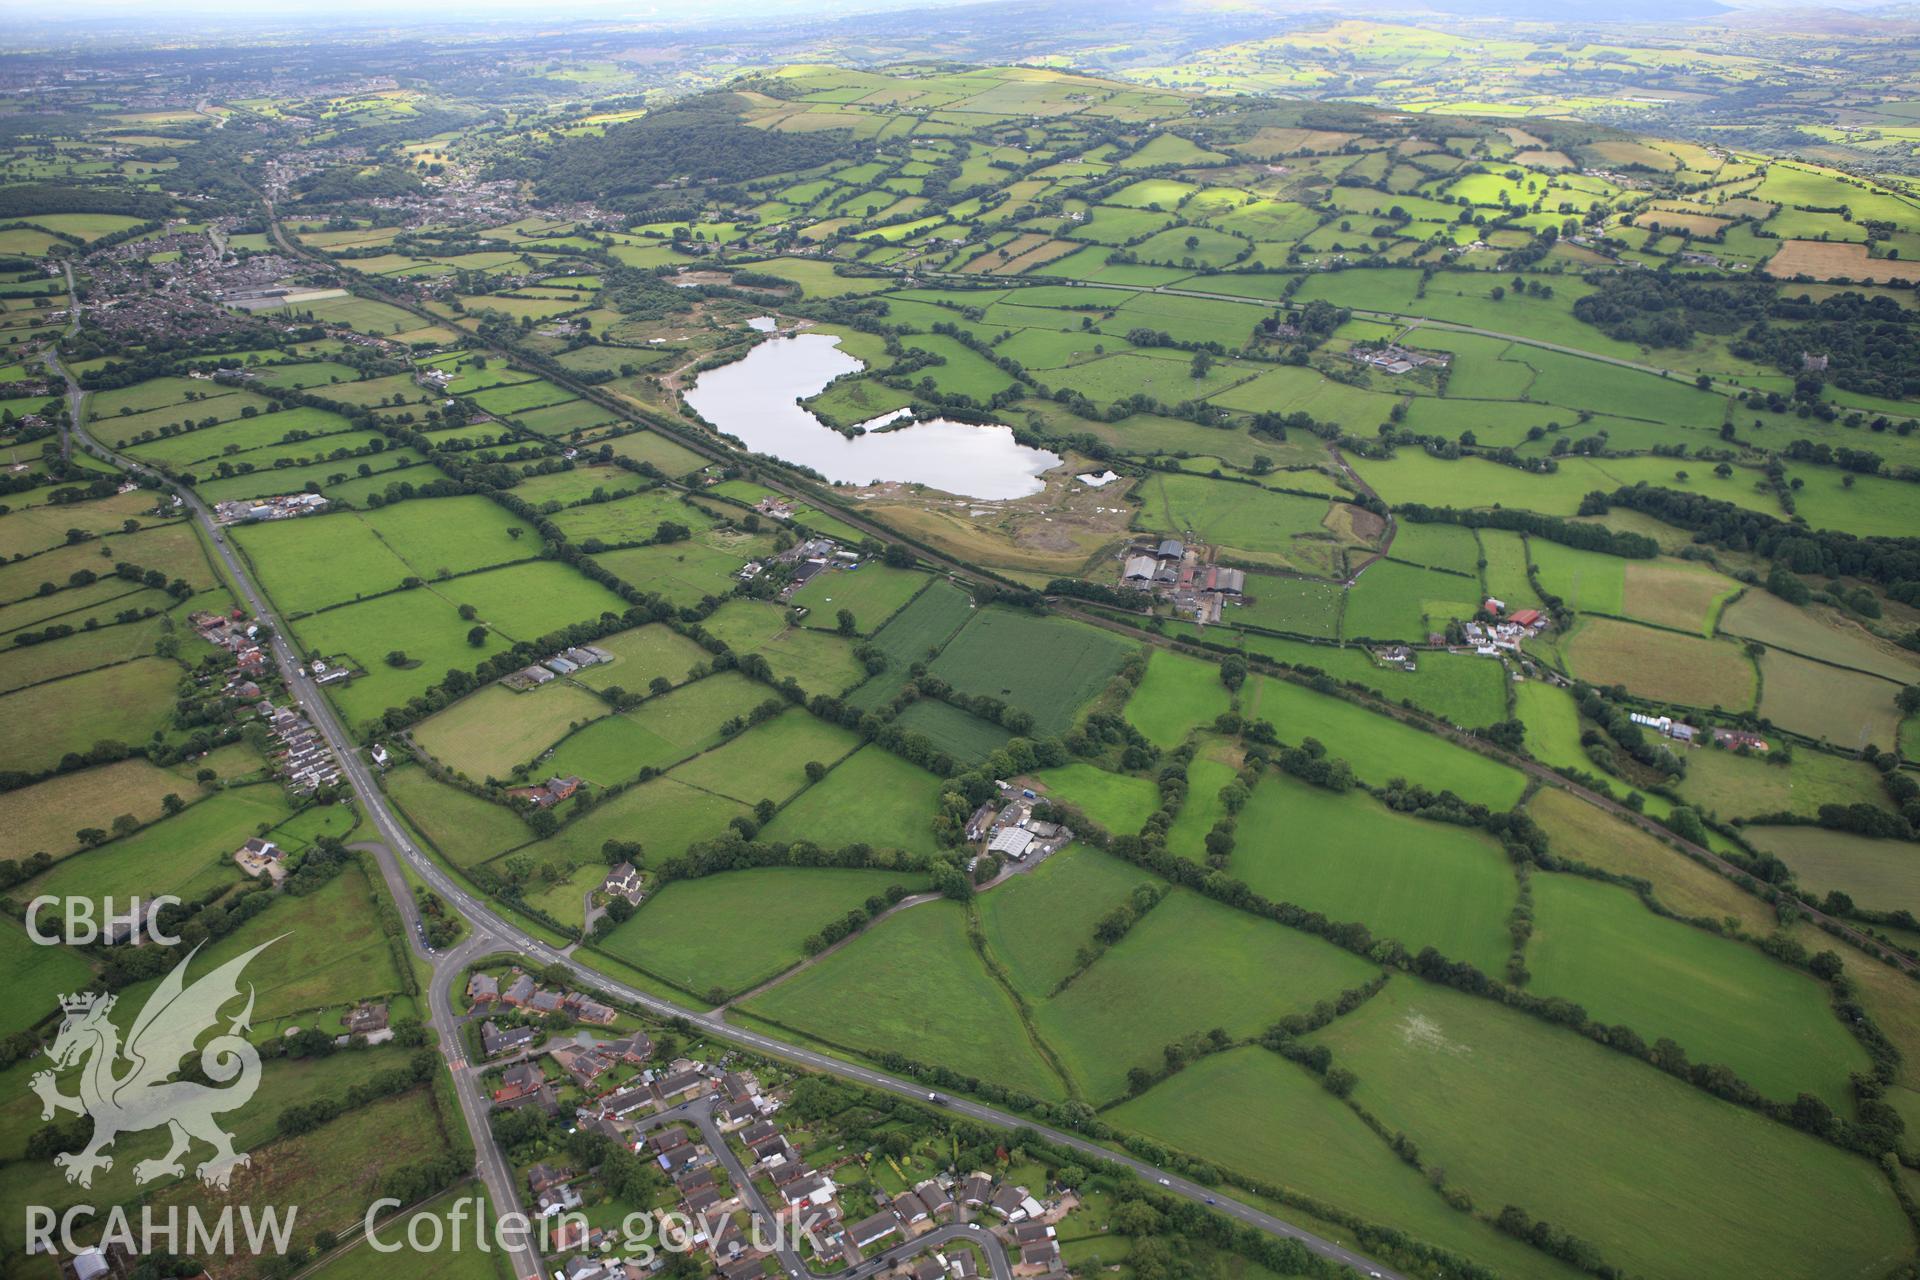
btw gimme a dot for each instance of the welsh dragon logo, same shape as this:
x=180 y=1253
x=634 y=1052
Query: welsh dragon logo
x=144 y=1095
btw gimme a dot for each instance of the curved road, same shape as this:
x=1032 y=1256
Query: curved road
x=490 y=932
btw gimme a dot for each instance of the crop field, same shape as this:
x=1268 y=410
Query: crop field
x=488 y=733
x=1278 y=1125
x=1844 y=708
x=922 y=629
x=1048 y=667
x=1526 y=1114
x=1188 y=966
x=1687 y=670
x=1177 y=695
x=1119 y=802
x=1380 y=749
x=689 y=933
x=870 y=797
x=872 y=995
x=659 y=732
x=1351 y=858
x=1720 y=1000
x=1394 y=601
x=1881 y=875
x=1685 y=597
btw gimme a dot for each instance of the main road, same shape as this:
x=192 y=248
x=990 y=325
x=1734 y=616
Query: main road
x=490 y=932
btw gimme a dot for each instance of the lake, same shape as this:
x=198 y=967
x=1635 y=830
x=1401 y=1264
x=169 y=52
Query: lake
x=754 y=399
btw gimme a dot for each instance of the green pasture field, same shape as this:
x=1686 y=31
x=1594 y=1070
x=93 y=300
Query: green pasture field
x=1880 y=875
x=1817 y=631
x=685 y=572
x=102 y=598
x=1843 y=707
x=43 y=817
x=630 y=519
x=1438 y=546
x=1661 y=665
x=664 y=815
x=1393 y=601
x=768 y=761
x=1588 y=581
x=1872 y=507
x=1121 y=803
x=1462 y=689
x=183 y=855
x=489 y=732
x=363 y=1262
x=1211 y=769
x=1351 y=858
x=1036 y=922
x=874 y=593
x=693 y=933
x=1732 y=785
x=821 y=662
x=1178 y=694
x=962 y=735
x=817 y=279
x=292 y=1081
x=1474 y=482
x=173 y=548
x=1049 y=667
x=254 y=439
x=464 y=828
x=1186 y=967
x=1522 y=1113
x=37 y=977
x=24 y=531
x=1305 y=606
x=1580 y=832
x=1378 y=748
x=872 y=797
x=1245 y=520
x=650 y=446
x=1256 y=1114
x=423 y=624
x=388 y=467
x=872 y=997
x=317 y=561
x=1553 y=725
x=659 y=732
x=1723 y=1001
x=577 y=485
x=327 y=950
x=640 y=655
x=123 y=703
x=84 y=650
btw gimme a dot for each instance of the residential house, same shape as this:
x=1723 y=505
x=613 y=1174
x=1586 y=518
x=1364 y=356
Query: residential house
x=495 y=1041
x=935 y=1197
x=975 y=1190
x=542 y=1176
x=519 y=991
x=482 y=988
x=1010 y=1203
x=869 y=1231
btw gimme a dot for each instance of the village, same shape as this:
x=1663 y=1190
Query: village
x=745 y=1187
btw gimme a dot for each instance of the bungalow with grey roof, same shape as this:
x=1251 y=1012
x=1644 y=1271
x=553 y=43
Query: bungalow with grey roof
x=873 y=1230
